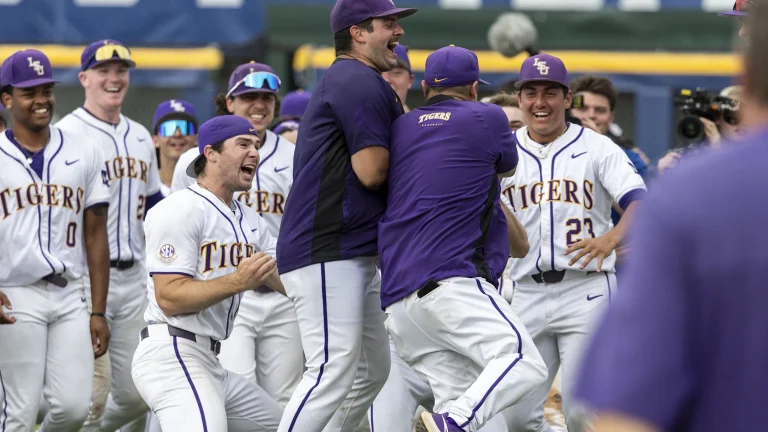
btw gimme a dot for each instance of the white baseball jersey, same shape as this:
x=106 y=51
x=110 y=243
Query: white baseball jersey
x=209 y=244
x=41 y=216
x=271 y=184
x=131 y=165
x=563 y=192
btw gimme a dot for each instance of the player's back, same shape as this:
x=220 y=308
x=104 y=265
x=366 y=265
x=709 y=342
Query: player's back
x=442 y=206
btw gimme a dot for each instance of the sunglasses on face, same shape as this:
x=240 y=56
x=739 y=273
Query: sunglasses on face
x=258 y=80
x=168 y=128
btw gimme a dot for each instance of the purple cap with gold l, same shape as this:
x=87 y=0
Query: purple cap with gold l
x=346 y=13
x=105 y=50
x=252 y=78
x=740 y=9
x=401 y=51
x=25 y=69
x=219 y=129
x=452 y=66
x=542 y=67
x=174 y=109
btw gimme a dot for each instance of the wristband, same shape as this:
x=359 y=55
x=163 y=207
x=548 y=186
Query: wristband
x=98 y=314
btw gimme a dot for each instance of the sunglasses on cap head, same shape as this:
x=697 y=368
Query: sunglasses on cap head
x=168 y=128
x=108 y=51
x=258 y=80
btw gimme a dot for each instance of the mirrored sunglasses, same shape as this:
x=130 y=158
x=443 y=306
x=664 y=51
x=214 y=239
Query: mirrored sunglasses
x=168 y=128
x=258 y=80
x=107 y=52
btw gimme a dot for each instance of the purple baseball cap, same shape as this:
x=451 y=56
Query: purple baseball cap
x=174 y=108
x=542 y=67
x=452 y=66
x=740 y=9
x=346 y=13
x=252 y=78
x=286 y=124
x=401 y=51
x=103 y=51
x=295 y=103
x=219 y=129
x=25 y=69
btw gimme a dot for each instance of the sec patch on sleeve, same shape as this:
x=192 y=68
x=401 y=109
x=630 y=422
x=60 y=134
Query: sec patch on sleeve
x=167 y=253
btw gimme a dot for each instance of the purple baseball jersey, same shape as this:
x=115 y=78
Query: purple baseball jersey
x=683 y=346
x=443 y=217
x=329 y=215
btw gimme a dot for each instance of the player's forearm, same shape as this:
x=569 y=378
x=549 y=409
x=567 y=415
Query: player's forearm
x=516 y=235
x=184 y=295
x=619 y=232
x=97 y=254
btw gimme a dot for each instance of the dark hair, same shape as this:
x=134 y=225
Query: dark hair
x=504 y=100
x=462 y=90
x=7 y=89
x=508 y=87
x=529 y=85
x=597 y=85
x=756 y=60
x=220 y=101
x=342 y=39
x=202 y=162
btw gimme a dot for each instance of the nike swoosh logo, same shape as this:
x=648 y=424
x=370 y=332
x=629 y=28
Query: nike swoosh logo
x=590 y=298
x=68 y=163
x=142 y=139
x=574 y=156
x=254 y=230
x=277 y=170
x=440 y=80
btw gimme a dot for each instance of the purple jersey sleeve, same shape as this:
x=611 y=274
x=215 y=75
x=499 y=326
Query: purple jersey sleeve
x=639 y=362
x=502 y=138
x=364 y=110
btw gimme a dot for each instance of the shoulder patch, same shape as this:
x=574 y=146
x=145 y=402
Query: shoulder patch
x=167 y=253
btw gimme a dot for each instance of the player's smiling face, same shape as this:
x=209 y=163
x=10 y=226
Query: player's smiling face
x=598 y=109
x=256 y=107
x=32 y=107
x=379 y=47
x=238 y=161
x=106 y=83
x=544 y=106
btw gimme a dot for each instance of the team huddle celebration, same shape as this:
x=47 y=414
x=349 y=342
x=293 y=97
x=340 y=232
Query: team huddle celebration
x=335 y=260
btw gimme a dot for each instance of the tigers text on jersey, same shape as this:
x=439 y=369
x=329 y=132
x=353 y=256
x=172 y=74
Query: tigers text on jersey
x=41 y=213
x=131 y=165
x=209 y=244
x=271 y=183
x=563 y=192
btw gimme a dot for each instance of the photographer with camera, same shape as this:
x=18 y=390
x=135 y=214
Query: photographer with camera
x=707 y=121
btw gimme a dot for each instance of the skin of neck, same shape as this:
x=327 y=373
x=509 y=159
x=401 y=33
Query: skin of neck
x=217 y=187
x=548 y=138
x=32 y=140
x=111 y=116
x=355 y=55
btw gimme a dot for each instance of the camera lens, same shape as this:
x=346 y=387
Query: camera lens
x=691 y=129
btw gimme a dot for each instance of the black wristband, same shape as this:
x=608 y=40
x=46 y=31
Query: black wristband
x=98 y=314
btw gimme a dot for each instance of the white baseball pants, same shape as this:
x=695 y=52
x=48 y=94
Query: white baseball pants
x=345 y=344
x=469 y=344
x=37 y=354
x=559 y=317
x=186 y=387
x=265 y=344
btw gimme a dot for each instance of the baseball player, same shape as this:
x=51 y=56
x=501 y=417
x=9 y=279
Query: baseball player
x=134 y=189
x=265 y=344
x=292 y=107
x=198 y=272
x=328 y=239
x=740 y=11
x=175 y=131
x=401 y=78
x=566 y=180
x=54 y=196
x=439 y=278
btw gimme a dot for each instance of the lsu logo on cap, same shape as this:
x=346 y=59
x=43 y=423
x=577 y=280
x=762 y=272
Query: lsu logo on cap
x=176 y=106
x=36 y=66
x=167 y=253
x=541 y=66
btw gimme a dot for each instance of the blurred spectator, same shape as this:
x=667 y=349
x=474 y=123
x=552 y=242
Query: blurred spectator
x=508 y=86
x=714 y=132
x=401 y=77
x=174 y=131
x=510 y=105
x=740 y=11
x=291 y=109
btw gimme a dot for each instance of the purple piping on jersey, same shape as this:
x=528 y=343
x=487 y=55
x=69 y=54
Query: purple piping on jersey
x=130 y=188
x=325 y=348
x=120 y=183
x=50 y=161
x=5 y=401
x=173 y=273
x=541 y=179
x=189 y=379
x=237 y=238
x=371 y=418
x=506 y=371
x=551 y=205
x=274 y=150
x=39 y=215
x=608 y=279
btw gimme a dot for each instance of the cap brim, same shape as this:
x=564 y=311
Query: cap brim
x=252 y=90
x=399 y=12
x=191 y=167
x=131 y=64
x=35 y=83
x=483 y=82
x=520 y=84
x=733 y=13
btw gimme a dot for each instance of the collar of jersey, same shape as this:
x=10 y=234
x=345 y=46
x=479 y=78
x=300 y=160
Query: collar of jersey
x=101 y=124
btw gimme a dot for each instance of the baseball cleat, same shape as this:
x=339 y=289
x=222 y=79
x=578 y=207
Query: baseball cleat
x=440 y=423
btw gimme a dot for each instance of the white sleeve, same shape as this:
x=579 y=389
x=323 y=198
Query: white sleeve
x=616 y=173
x=173 y=247
x=97 y=177
x=153 y=184
x=180 y=178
